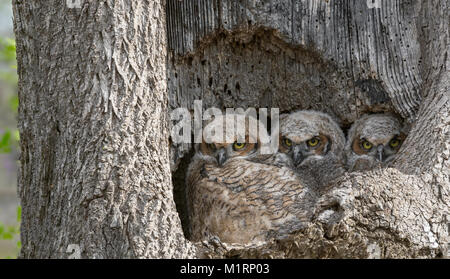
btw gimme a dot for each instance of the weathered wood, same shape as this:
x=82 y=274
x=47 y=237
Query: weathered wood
x=362 y=43
x=344 y=58
x=379 y=214
x=95 y=91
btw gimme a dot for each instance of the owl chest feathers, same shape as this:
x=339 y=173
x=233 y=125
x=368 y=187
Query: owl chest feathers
x=244 y=201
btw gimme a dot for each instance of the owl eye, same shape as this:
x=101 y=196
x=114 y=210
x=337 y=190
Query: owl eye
x=287 y=142
x=394 y=143
x=313 y=142
x=366 y=145
x=212 y=146
x=238 y=146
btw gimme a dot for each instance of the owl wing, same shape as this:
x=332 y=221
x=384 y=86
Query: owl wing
x=320 y=173
x=220 y=209
x=275 y=194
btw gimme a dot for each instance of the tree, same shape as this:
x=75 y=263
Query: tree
x=95 y=92
x=94 y=175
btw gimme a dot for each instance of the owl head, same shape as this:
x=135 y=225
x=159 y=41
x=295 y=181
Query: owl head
x=373 y=140
x=307 y=136
x=228 y=137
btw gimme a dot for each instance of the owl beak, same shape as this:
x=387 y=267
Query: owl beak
x=221 y=157
x=380 y=153
x=298 y=155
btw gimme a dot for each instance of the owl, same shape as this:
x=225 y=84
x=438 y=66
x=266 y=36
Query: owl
x=233 y=196
x=373 y=140
x=315 y=143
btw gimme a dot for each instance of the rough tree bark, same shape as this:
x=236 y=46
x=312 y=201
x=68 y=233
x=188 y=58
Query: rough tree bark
x=95 y=90
x=95 y=176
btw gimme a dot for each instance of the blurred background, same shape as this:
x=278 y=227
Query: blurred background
x=9 y=137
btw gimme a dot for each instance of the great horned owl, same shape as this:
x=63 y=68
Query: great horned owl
x=373 y=140
x=232 y=196
x=315 y=142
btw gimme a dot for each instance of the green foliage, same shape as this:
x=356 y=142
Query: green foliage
x=8 y=57
x=7 y=232
x=11 y=233
x=9 y=138
x=14 y=102
x=19 y=214
x=5 y=142
x=8 y=51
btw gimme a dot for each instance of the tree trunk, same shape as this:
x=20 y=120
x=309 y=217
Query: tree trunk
x=95 y=91
x=346 y=58
x=95 y=175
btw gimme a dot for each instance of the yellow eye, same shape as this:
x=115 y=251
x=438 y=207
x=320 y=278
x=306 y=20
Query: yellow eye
x=313 y=142
x=237 y=145
x=394 y=143
x=212 y=146
x=366 y=145
x=287 y=142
